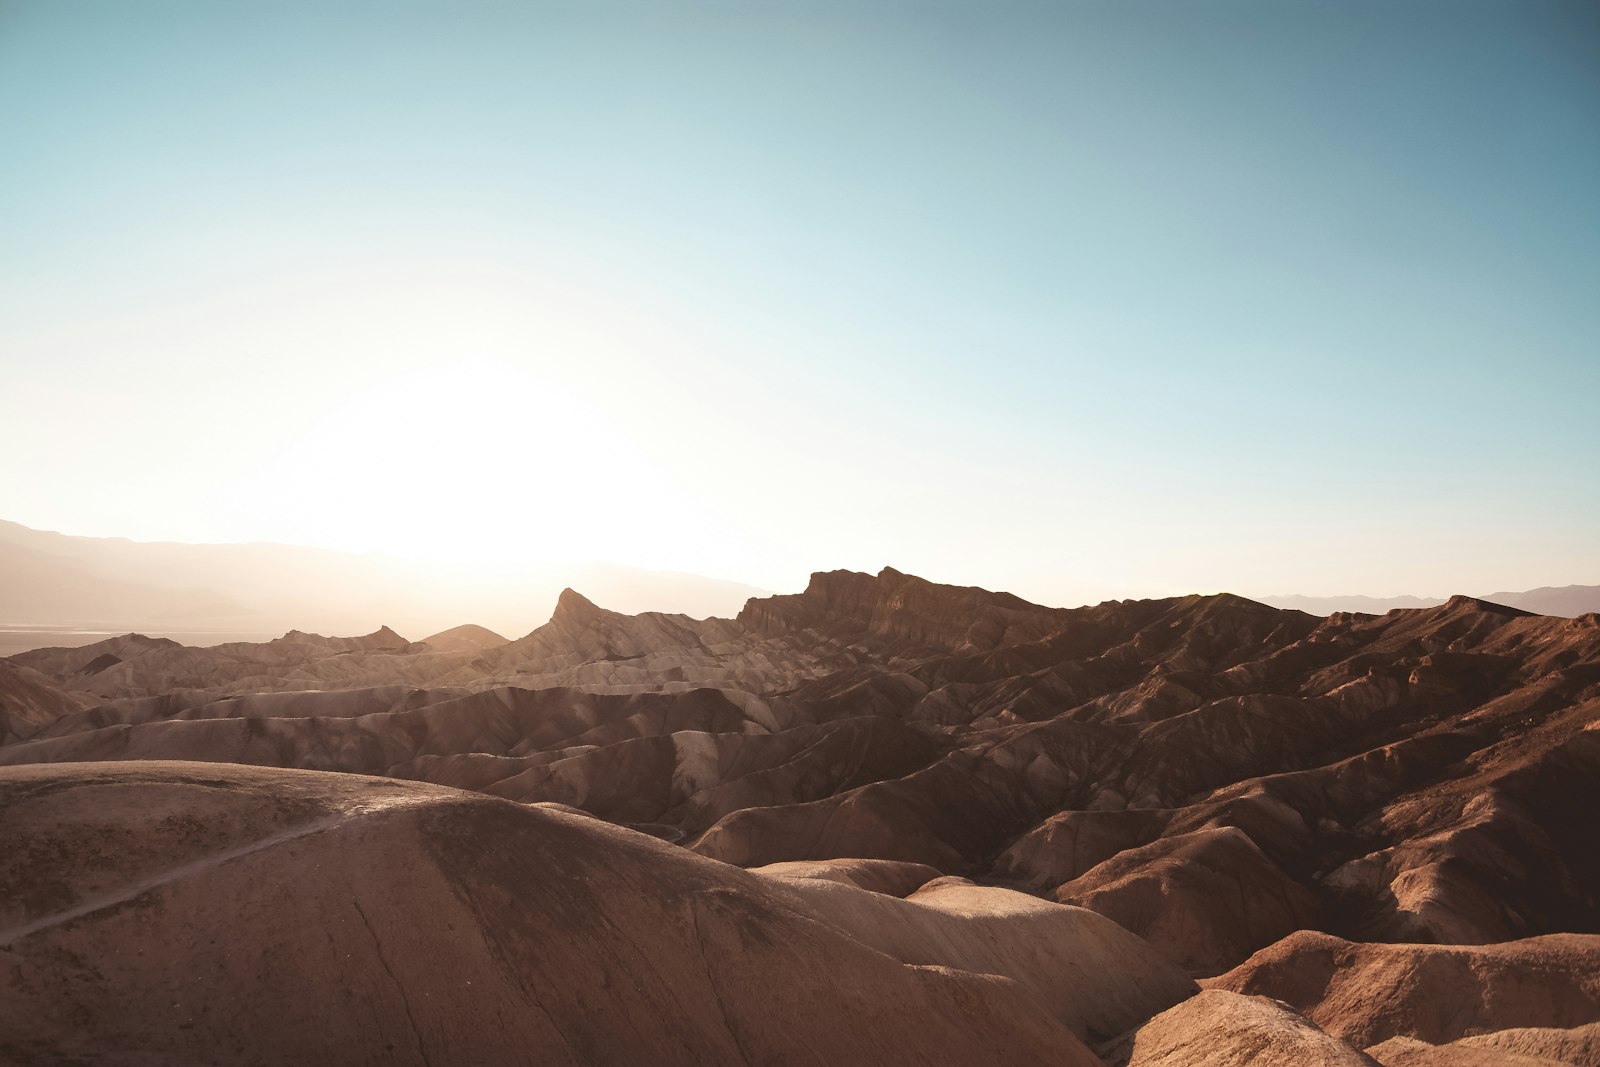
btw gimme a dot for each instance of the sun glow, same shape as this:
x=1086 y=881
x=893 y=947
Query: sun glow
x=480 y=428
x=481 y=460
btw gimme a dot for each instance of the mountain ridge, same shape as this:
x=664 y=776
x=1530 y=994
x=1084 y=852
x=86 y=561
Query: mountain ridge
x=1223 y=780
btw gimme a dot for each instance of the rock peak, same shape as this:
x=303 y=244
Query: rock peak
x=573 y=604
x=1461 y=602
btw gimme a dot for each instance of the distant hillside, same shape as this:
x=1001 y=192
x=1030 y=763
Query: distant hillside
x=465 y=638
x=52 y=580
x=1567 y=601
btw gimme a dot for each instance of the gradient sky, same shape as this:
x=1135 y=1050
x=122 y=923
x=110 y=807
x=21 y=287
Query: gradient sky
x=1079 y=300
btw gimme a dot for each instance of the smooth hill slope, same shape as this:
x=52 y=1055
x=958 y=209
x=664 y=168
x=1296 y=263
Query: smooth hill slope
x=269 y=916
x=465 y=638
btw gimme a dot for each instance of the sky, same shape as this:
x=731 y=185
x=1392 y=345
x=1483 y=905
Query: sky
x=1079 y=300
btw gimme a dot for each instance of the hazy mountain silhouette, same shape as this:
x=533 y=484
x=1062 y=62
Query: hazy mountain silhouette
x=1567 y=601
x=51 y=579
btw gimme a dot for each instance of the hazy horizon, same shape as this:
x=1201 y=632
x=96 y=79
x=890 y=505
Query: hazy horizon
x=255 y=588
x=1081 y=301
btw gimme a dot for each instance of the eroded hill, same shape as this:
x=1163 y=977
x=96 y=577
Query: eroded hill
x=1216 y=776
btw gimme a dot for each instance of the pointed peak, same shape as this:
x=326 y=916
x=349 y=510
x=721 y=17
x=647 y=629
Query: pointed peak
x=573 y=604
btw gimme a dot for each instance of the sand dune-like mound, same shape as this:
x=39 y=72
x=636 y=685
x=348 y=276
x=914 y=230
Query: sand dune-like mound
x=1368 y=993
x=249 y=916
x=1579 y=1046
x=1409 y=1052
x=876 y=876
x=1205 y=898
x=1221 y=1029
x=1091 y=974
x=466 y=638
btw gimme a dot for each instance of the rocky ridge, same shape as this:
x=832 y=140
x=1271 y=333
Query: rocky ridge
x=1223 y=780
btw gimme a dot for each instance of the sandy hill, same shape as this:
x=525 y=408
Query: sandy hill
x=465 y=638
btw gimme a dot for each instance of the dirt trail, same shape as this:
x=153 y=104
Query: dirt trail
x=206 y=863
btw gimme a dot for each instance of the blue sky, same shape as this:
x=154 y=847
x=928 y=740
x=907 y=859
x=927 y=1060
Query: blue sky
x=1081 y=300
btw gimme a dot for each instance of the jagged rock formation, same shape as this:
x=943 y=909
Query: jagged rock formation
x=1216 y=776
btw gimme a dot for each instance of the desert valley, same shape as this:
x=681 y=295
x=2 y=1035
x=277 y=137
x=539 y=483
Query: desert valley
x=882 y=820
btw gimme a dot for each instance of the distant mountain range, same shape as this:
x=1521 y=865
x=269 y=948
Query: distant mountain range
x=52 y=580
x=1568 y=601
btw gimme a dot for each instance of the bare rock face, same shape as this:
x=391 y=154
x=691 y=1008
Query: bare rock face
x=1220 y=1029
x=902 y=609
x=250 y=916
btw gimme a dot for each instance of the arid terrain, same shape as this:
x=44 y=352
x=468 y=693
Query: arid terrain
x=879 y=821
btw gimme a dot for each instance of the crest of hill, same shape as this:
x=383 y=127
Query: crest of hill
x=905 y=608
x=466 y=638
x=62 y=663
x=383 y=639
x=1567 y=601
x=29 y=702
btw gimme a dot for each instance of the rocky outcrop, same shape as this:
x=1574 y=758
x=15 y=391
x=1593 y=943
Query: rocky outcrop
x=906 y=611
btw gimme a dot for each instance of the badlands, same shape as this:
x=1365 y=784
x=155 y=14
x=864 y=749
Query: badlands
x=881 y=821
